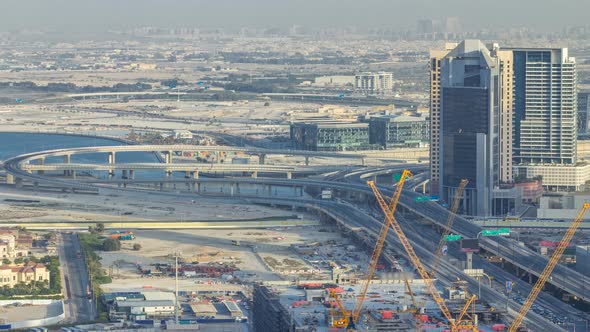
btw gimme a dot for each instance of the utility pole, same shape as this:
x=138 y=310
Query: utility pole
x=176 y=287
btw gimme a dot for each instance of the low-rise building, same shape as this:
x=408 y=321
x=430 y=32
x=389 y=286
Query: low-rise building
x=391 y=131
x=380 y=83
x=562 y=206
x=557 y=177
x=11 y=275
x=182 y=134
x=330 y=136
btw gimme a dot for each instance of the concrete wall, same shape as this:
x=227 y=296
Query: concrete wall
x=58 y=304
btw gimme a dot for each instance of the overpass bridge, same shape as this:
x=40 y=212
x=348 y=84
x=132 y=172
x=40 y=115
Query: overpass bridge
x=524 y=258
x=170 y=150
x=191 y=170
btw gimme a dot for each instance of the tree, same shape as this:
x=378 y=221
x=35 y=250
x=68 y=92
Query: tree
x=6 y=261
x=100 y=227
x=136 y=246
x=111 y=245
x=19 y=260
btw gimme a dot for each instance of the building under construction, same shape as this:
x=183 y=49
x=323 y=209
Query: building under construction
x=267 y=312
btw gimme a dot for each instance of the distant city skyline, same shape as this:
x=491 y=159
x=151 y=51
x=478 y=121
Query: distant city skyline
x=103 y=15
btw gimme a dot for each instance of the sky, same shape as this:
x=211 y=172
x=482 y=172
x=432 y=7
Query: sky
x=102 y=15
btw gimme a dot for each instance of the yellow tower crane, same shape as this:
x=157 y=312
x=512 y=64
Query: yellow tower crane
x=449 y=227
x=455 y=324
x=553 y=261
x=352 y=318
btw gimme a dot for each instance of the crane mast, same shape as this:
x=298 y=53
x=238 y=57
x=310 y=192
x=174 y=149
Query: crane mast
x=449 y=227
x=467 y=325
x=377 y=252
x=553 y=261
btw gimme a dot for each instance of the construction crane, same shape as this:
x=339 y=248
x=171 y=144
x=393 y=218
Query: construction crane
x=341 y=321
x=565 y=241
x=350 y=319
x=449 y=227
x=455 y=324
x=356 y=312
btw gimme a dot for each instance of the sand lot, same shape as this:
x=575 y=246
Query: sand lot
x=61 y=207
x=205 y=246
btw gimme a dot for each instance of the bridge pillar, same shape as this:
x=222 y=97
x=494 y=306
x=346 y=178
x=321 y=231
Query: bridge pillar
x=18 y=182
x=132 y=174
x=168 y=157
x=232 y=189
x=424 y=188
x=187 y=174
x=530 y=278
x=254 y=175
x=67 y=160
x=469 y=260
x=269 y=190
x=41 y=162
x=73 y=173
x=112 y=160
x=198 y=188
x=306 y=160
x=161 y=186
x=124 y=175
x=261 y=158
x=10 y=178
x=112 y=157
x=363 y=161
x=196 y=174
x=289 y=175
x=168 y=173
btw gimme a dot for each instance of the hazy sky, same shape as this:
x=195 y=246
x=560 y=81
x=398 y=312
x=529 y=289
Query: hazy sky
x=100 y=15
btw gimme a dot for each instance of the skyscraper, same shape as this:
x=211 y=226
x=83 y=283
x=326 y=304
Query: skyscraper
x=470 y=99
x=545 y=106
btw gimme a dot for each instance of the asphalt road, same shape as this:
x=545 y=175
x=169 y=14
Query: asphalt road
x=75 y=280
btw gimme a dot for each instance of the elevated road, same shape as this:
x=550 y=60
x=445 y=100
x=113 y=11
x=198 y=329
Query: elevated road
x=179 y=167
x=528 y=260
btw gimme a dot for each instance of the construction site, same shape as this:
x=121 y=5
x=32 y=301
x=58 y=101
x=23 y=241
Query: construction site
x=396 y=291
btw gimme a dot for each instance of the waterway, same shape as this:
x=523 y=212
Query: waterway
x=14 y=144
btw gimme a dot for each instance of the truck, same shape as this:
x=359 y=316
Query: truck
x=235 y=243
x=123 y=236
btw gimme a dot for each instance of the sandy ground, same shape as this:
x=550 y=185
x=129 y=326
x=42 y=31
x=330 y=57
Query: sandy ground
x=206 y=246
x=60 y=207
x=27 y=312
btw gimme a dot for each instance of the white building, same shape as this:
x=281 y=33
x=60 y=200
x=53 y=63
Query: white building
x=562 y=206
x=557 y=177
x=182 y=134
x=380 y=83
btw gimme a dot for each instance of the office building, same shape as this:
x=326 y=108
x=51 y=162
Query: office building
x=380 y=83
x=399 y=131
x=470 y=120
x=545 y=106
x=330 y=136
x=583 y=103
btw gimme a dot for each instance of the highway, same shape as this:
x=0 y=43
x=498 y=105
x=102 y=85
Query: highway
x=563 y=277
x=431 y=211
x=75 y=280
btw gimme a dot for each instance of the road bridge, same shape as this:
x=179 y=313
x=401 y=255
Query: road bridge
x=524 y=258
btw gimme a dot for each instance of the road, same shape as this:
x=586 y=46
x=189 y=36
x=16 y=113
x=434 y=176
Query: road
x=74 y=280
